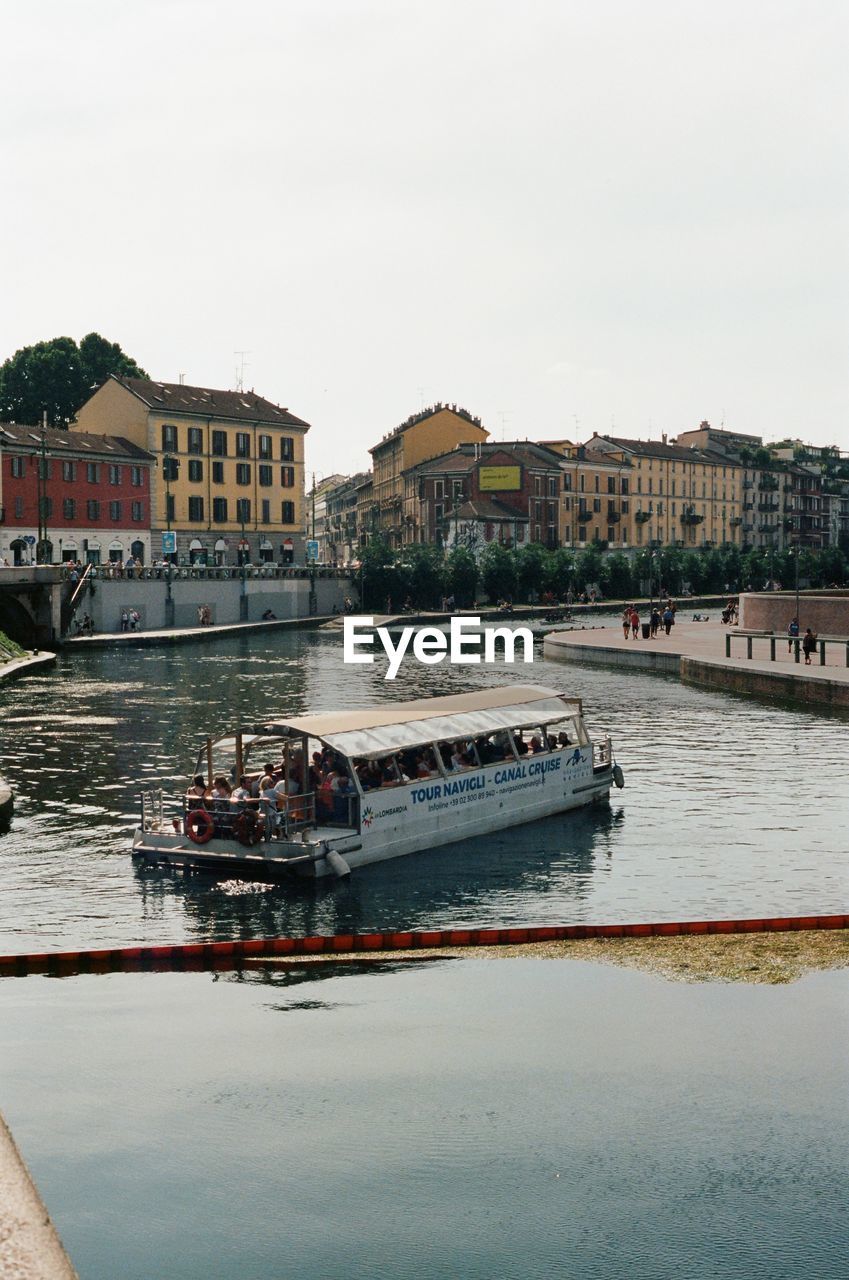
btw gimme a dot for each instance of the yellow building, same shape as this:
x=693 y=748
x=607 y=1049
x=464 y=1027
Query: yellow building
x=230 y=481
x=679 y=495
x=595 y=504
x=423 y=436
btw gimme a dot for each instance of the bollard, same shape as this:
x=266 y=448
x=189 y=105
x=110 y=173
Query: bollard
x=772 y=648
x=728 y=647
x=748 y=647
x=822 y=653
x=796 y=644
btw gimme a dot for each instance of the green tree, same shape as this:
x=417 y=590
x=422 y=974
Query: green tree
x=831 y=567
x=460 y=575
x=498 y=573
x=424 y=575
x=694 y=571
x=58 y=376
x=559 y=572
x=379 y=578
x=531 y=563
x=588 y=569
x=617 y=577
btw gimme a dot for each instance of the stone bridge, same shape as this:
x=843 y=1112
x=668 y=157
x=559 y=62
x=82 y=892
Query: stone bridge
x=33 y=599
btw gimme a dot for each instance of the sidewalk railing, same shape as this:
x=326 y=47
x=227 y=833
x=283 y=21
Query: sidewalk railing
x=795 y=642
x=109 y=572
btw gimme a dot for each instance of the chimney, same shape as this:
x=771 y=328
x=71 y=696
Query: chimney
x=663 y=438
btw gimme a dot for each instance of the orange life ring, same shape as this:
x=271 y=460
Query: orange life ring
x=199 y=826
x=248 y=828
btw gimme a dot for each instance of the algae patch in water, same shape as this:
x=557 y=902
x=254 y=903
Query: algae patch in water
x=770 y=958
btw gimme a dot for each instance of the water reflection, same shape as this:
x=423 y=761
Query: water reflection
x=475 y=881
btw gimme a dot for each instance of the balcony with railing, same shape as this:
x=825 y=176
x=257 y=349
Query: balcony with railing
x=768 y=483
x=690 y=516
x=768 y=506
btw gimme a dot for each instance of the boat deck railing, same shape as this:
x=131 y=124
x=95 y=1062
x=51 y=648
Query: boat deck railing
x=603 y=753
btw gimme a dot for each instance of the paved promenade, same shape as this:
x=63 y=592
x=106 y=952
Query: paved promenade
x=695 y=651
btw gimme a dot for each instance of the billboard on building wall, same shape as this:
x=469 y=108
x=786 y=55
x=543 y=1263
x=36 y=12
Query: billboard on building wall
x=501 y=478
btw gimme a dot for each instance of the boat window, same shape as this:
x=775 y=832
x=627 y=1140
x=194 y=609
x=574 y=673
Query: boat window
x=458 y=754
x=391 y=775
x=566 y=734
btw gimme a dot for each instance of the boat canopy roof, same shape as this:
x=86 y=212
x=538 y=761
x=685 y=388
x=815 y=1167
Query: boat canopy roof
x=376 y=731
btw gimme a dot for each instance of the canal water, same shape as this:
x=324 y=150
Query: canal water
x=524 y=1118
x=731 y=807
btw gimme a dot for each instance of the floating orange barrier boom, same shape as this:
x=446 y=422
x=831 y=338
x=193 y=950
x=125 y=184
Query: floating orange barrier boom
x=232 y=955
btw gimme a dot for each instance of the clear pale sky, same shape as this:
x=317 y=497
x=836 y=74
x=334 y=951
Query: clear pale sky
x=565 y=216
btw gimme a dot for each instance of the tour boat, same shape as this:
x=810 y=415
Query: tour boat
x=403 y=777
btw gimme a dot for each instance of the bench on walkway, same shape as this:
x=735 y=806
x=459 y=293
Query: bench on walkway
x=777 y=637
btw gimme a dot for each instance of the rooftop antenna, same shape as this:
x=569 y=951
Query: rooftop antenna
x=182 y=379
x=504 y=414
x=421 y=391
x=241 y=365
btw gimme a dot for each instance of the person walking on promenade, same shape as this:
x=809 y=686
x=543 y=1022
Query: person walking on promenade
x=809 y=645
x=792 y=634
x=655 y=622
x=668 y=619
x=635 y=625
x=626 y=621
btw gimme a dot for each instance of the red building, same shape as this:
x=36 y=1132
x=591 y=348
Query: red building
x=476 y=494
x=70 y=496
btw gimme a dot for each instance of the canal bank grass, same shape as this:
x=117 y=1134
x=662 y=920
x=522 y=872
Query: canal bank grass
x=769 y=958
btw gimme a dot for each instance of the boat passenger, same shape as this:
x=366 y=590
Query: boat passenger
x=243 y=791
x=563 y=740
x=536 y=745
x=268 y=804
x=219 y=803
x=459 y=758
x=521 y=745
x=198 y=788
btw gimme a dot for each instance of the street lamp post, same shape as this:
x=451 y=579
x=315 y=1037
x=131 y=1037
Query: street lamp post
x=243 y=589
x=41 y=545
x=168 y=463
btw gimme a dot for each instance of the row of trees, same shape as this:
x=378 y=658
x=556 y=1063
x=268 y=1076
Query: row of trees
x=425 y=575
x=59 y=376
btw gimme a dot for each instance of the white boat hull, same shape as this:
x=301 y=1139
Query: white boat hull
x=396 y=821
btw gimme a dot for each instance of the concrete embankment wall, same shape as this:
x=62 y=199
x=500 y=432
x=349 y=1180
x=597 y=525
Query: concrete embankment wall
x=765 y=684
x=826 y=613
x=703 y=673
x=30 y=1249
x=285 y=597
x=639 y=658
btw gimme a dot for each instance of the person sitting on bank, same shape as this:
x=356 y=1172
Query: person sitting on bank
x=269 y=616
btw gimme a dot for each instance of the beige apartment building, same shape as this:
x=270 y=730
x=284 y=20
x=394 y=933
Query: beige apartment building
x=678 y=495
x=228 y=483
x=423 y=436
